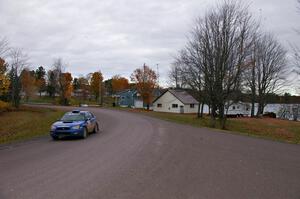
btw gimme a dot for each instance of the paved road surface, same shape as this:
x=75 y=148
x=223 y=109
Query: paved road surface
x=138 y=157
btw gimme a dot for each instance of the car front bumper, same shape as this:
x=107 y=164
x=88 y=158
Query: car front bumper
x=67 y=133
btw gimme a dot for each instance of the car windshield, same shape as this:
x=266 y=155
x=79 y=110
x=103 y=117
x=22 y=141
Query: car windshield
x=72 y=117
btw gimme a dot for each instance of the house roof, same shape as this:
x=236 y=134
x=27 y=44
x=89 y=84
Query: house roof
x=125 y=91
x=182 y=96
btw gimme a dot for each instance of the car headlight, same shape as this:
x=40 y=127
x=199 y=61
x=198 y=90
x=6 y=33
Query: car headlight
x=76 y=127
x=53 y=127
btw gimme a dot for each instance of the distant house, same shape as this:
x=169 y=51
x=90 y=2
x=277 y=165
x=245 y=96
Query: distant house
x=132 y=98
x=175 y=101
x=129 y=98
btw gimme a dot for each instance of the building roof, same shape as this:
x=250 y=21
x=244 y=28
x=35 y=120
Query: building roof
x=182 y=96
x=125 y=91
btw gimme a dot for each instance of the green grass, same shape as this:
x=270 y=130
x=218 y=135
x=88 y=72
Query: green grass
x=107 y=101
x=269 y=128
x=26 y=123
x=42 y=99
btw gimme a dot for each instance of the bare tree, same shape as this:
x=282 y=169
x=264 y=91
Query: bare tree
x=216 y=52
x=19 y=61
x=175 y=76
x=296 y=50
x=191 y=71
x=270 y=68
x=59 y=69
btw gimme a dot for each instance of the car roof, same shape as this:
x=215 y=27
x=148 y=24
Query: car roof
x=77 y=112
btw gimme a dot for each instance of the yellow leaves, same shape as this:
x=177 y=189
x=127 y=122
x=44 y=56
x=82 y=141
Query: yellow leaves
x=28 y=83
x=4 y=80
x=4 y=84
x=4 y=106
x=67 y=84
x=96 y=83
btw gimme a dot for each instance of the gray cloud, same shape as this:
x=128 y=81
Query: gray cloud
x=116 y=36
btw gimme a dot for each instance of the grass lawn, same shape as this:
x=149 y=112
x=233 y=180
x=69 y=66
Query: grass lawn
x=26 y=123
x=275 y=129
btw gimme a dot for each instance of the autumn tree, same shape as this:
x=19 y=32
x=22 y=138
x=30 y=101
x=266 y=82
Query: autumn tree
x=97 y=86
x=28 y=83
x=40 y=82
x=4 y=79
x=146 y=81
x=119 y=83
x=66 y=82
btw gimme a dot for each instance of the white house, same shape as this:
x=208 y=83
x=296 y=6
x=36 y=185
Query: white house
x=175 y=101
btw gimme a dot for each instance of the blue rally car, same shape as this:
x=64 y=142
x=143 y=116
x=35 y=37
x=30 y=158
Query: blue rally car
x=74 y=124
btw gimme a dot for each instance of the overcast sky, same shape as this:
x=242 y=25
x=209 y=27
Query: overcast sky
x=117 y=36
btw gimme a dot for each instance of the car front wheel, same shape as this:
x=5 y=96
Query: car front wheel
x=96 y=128
x=54 y=138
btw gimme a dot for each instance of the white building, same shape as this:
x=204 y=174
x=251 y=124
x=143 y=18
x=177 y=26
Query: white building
x=175 y=101
x=238 y=108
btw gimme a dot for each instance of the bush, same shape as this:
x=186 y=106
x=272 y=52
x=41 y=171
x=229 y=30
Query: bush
x=270 y=114
x=4 y=106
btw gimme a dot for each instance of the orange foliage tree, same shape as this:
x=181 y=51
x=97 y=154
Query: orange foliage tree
x=119 y=83
x=96 y=85
x=4 y=79
x=28 y=83
x=65 y=83
x=145 y=79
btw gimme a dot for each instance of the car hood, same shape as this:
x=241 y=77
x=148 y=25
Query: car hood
x=69 y=124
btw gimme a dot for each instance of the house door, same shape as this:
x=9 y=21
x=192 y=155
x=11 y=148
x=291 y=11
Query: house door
x=181 y=109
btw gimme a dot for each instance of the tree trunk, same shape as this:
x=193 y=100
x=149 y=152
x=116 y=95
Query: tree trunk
x=252 y=109
x=213 y=117
x=253 y=102
x=202 y=106
x=260 y=110
x=222 y=116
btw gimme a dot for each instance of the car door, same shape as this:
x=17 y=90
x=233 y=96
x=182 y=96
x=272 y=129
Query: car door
x=93 y=121
x=89 y=123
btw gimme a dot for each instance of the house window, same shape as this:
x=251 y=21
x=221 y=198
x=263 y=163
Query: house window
x=192 y=105
x=159 y=105
x=174 y=105
x=238 y=107
x=233 y=107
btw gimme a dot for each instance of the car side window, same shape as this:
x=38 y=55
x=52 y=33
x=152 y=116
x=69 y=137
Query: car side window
x=88 y=116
